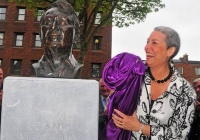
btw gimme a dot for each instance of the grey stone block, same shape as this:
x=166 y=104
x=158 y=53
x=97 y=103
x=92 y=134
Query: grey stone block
x=49 y=109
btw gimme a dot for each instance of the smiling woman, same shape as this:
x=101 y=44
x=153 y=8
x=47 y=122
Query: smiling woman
x=167 y=102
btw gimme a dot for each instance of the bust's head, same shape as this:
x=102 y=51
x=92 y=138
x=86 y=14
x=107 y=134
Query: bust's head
x=59 y=27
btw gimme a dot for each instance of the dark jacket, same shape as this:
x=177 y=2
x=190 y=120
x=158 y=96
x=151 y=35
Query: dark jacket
x=102 y=116
x=195 y=128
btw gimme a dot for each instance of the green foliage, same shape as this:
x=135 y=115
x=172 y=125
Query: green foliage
x=131 y=11
x=126 y=12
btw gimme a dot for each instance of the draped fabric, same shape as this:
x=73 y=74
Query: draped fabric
x=124 y=74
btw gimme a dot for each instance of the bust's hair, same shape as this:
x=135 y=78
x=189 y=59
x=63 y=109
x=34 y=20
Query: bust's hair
x=172 y=38
x=66 y=8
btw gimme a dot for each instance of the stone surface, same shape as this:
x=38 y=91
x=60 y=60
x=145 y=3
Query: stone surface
x=49 y=109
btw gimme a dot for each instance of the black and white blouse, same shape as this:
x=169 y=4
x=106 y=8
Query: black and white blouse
x=171 y=114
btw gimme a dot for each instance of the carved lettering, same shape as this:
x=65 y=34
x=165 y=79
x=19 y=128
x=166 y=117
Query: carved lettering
x=53 y=126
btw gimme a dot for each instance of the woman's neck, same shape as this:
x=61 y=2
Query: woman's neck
x=160 y=72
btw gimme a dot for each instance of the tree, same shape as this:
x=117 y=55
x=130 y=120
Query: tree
x=120 y=13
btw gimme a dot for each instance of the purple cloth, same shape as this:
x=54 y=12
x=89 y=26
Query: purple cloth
x=123 y=73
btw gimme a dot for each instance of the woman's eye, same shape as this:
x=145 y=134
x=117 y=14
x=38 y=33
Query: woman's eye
x=154 y=43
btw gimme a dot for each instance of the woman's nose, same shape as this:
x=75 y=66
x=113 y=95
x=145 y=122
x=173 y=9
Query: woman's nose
x=147 y=46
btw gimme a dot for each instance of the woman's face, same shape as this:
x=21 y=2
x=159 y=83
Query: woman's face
x=156 y=49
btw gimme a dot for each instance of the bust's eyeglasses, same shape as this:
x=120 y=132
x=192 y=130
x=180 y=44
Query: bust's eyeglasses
x=197 y=87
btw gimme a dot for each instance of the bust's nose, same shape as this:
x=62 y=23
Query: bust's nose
x=54 y=23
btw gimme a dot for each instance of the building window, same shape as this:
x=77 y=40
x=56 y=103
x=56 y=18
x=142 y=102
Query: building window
x=21 y=14
x=1 y=38
x=39 y=14
x=98 y=18
x=97 y=42
x=37 y=40
x=78 y=13
x=77 y=44
x=19 y=39
x=2 y=13
x=96 y=68
x=16 y=67
x=197 y=71
x=180 y=70
x=32 y=69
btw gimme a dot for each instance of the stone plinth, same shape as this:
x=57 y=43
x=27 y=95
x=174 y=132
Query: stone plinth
x=49 y=109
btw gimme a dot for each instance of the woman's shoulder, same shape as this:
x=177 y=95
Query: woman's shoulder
x=179 y=79
x=183 y=85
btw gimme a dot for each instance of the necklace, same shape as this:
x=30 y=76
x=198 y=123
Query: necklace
x=165 y=79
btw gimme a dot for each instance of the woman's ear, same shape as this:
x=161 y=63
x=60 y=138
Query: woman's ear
x=171 y=51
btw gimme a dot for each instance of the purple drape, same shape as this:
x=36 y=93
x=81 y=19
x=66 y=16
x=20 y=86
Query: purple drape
x=123 y=73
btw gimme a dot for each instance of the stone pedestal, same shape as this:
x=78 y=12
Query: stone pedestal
x=49 y=109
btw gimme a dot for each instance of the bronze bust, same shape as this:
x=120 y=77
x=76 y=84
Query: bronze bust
x=59 y=32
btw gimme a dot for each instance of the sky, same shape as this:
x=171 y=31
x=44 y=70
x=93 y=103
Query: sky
x=181 y=15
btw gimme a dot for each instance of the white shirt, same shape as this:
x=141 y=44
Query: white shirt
x=172 y=112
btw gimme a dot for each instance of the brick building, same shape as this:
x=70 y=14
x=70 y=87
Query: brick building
x=190 y=70
x=20 y=44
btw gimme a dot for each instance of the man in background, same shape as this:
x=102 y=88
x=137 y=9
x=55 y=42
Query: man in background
x=1 y=78
x=104 y=93
x=1 y=90
x=195 y=129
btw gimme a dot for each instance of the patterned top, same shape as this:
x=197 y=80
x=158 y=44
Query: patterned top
x=172 y=112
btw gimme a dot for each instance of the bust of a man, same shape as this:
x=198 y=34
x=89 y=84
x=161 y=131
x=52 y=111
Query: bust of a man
x=59 y=31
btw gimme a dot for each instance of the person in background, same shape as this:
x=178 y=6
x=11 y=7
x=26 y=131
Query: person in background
x=166 y=105
x=1 y=79
x=104 y=93
x=195 y=128
x=1 y=90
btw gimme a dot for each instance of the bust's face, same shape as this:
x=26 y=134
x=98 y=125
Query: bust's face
x=56 y=29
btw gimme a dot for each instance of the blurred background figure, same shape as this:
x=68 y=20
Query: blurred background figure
x=195 y=129
x=104 y=93
x=1 y=78
x=1 y=89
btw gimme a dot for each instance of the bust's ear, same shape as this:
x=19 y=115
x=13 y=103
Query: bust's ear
x=171 y=51
x=41 y=31
x=41 y=36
